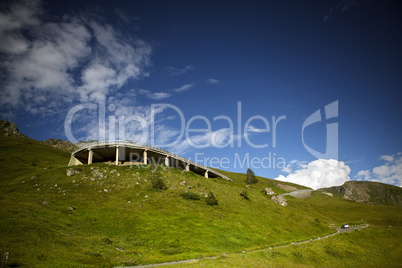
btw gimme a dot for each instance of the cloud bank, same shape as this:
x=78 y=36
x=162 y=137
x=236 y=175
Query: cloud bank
x=390 y=172
x=50 y=63
x=319 y=173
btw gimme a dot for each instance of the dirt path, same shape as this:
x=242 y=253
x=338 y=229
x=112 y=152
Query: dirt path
x=338 y=231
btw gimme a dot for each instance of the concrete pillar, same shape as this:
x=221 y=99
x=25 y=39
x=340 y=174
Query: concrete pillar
x=74 y=161
x=117 y=155
x=167 y=161
x=145 y=157
x=206 y=174
x=187 y=167
x=90 y=156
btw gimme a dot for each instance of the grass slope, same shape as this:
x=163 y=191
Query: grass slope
x=370 y=247
x=117 y=219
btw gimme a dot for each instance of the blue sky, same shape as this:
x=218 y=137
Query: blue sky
x=208 y=58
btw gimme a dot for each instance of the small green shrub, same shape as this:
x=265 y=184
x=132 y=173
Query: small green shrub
x=211 y=199
x=158 y=183
x=190 y=196
x=245 y=194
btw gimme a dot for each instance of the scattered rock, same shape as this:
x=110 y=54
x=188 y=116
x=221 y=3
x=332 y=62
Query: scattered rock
x=280 y=199
x=286 y=187
x=73 y=171
x=70 y=210
x=45 y=203
x=269 y=191
x=97 y=174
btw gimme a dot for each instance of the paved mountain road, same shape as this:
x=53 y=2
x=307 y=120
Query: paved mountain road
x=338 y=231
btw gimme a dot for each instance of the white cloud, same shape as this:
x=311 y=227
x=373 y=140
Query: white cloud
x=364 y=175
x=319 y=173
x=294 y=164
x=173 y=71
x=154 y=95
x=49 y=64
x=390 y=172
x=252 y=128
x=388 y=158
x=19 y=15
x=183 y=88
x=213 y=81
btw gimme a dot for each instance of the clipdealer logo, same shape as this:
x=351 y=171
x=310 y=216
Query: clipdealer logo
x=332 y=137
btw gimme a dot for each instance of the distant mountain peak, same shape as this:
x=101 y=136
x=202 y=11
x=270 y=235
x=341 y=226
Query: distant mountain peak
x=373 y=193
x=61 y=144
x=9 y=129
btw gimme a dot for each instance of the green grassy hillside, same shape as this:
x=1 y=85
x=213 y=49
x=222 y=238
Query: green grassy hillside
x=375 y=246
x=106 y=216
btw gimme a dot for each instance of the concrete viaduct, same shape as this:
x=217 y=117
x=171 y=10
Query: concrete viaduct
x=129 y=153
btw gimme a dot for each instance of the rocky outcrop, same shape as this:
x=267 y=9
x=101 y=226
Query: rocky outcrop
x=287 y=188
x=73 y=171
x=280 y=199
x=373 y=193
x=269 y=191
x=61 y=144
x=9 y=129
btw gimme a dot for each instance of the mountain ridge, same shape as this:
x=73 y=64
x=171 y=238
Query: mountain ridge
x=372 y=193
